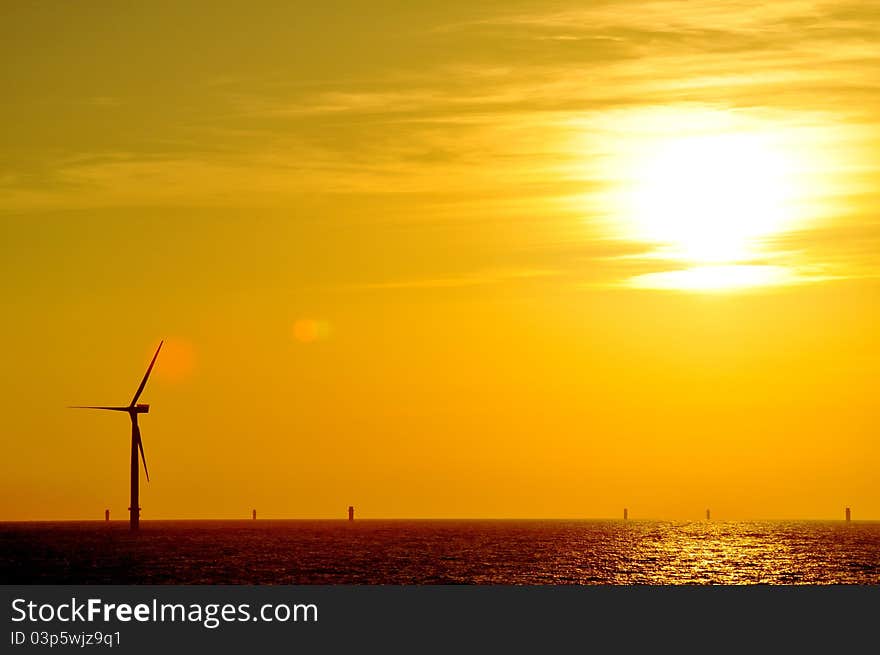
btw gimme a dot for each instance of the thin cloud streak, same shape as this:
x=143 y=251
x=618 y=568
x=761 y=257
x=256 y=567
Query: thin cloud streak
x=489 y=126
x=480 y=278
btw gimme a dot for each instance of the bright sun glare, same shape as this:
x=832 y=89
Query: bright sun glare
x=708 y=194
x=710 y=199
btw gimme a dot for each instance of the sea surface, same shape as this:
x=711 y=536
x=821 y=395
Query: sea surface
x=507 y=552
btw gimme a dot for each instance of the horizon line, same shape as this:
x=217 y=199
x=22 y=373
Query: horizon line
x=445 y=518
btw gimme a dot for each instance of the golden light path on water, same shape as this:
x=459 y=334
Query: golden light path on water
x=711 y=195
x=451 y=551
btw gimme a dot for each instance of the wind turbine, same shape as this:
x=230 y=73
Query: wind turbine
x=133 y=410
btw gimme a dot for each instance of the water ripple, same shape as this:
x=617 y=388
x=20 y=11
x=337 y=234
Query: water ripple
x=442 y=552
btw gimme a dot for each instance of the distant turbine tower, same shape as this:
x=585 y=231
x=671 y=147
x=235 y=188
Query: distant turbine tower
x=136 y=443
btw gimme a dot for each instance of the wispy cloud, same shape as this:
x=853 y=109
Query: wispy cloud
x=518 y=121
x=478 y=278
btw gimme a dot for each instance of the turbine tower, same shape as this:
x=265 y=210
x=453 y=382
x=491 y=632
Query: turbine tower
x=133 y=410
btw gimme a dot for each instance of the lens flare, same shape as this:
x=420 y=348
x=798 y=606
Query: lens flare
x=309 y=330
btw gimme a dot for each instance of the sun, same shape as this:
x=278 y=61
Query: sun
x=709 y=195
x=710 y=199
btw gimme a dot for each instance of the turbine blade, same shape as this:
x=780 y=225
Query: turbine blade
x=113 y=409
x=137 y=394
x=136 y=431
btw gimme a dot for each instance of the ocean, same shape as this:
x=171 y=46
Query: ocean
x=419 y=552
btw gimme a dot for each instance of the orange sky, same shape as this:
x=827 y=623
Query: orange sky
x=502 y=260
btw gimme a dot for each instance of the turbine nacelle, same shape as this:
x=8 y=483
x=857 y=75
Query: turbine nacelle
x=140 y=408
